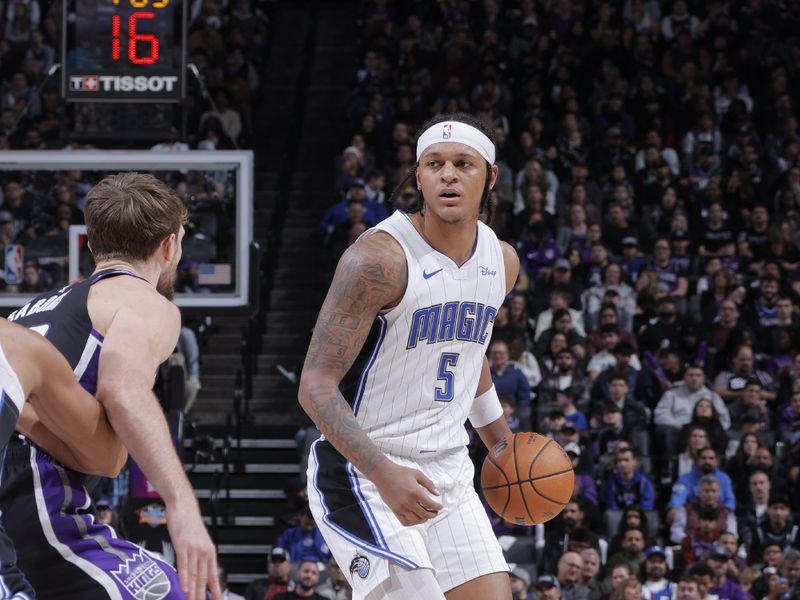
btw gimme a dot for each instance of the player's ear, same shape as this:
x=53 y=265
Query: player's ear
x=494 y=171
x=169 y=246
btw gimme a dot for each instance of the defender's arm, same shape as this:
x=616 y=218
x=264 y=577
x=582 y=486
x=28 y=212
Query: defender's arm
x=139 y=338
x=60 y=415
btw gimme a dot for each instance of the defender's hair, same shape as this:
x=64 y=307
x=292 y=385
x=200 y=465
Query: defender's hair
x=129 y=214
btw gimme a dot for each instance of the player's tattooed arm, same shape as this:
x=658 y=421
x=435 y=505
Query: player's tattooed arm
x=371 y=276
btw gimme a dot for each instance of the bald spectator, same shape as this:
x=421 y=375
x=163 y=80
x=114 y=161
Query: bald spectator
x=570 y=566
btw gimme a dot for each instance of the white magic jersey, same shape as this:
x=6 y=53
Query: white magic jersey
x=418 y=385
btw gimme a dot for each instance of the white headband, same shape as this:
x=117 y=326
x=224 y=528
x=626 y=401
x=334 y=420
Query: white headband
x=456 y=131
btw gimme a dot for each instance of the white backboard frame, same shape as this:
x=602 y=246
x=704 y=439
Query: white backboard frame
x=125 y=160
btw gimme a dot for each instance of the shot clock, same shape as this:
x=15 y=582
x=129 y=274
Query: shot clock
x=124 y=50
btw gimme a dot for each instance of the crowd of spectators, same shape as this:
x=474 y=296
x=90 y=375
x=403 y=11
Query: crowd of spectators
x=39 y=207
x=650 y=182
x=226 y=41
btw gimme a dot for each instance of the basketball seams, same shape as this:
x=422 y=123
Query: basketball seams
x=533 y=491
x=548 y=498
x=507 y=485
x=535 y=457
x=531 y=480
x=519 y=484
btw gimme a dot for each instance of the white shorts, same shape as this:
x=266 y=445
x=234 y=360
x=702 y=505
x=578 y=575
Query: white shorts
x=364 y=534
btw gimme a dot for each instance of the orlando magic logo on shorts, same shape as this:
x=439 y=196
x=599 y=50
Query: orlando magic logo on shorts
x=360 y=565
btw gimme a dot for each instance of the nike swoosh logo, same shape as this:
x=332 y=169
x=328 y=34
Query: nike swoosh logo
x=429 y=275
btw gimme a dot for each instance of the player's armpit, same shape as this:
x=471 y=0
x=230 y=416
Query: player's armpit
x=371 y=276
x=511 y=261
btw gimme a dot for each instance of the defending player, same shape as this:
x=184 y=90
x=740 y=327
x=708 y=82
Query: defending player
x=32 y=369
x=390 y=483
x=114 y=329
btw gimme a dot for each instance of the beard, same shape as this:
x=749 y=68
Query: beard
x=166 y=283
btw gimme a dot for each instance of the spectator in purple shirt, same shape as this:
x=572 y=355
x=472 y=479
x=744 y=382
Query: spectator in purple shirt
x=537 y=252
x=722 y=587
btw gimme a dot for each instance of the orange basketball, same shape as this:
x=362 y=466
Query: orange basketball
x=527 y=479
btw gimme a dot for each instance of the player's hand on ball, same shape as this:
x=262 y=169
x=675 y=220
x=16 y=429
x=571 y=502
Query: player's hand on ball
x=405 y=491
x=195 y=552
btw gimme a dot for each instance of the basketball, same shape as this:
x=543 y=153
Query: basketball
x=527 y=479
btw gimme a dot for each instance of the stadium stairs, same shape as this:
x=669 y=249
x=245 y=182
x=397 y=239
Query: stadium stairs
x=240 y=469
x=241 y=483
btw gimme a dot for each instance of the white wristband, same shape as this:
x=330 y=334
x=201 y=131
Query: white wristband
x=485 y=408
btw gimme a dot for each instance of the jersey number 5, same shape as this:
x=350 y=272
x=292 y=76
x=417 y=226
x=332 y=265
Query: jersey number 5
x=444 y=390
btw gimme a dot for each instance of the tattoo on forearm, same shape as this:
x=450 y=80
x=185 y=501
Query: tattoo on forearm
x=371 y=275
x=335 y=419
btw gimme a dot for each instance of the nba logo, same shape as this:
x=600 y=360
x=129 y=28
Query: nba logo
x=15 y=255
x=447 y=131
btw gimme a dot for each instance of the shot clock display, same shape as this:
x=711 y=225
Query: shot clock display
x=124 y=50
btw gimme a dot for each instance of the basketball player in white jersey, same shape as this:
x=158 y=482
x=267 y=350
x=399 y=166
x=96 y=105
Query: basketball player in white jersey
x=390 y=482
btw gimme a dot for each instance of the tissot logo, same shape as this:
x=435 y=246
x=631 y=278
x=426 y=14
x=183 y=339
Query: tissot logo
x=123 y=83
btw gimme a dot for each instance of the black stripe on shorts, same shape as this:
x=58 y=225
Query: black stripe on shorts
x=338 y=494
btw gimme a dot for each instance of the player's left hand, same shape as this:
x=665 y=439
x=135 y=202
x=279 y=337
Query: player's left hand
x=403 y=489
x=196 y=554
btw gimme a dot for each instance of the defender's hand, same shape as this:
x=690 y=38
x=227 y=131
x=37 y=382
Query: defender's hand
x=404 y=491
x=196 y=554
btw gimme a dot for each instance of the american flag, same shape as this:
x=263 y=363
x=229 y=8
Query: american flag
x=208 y=274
